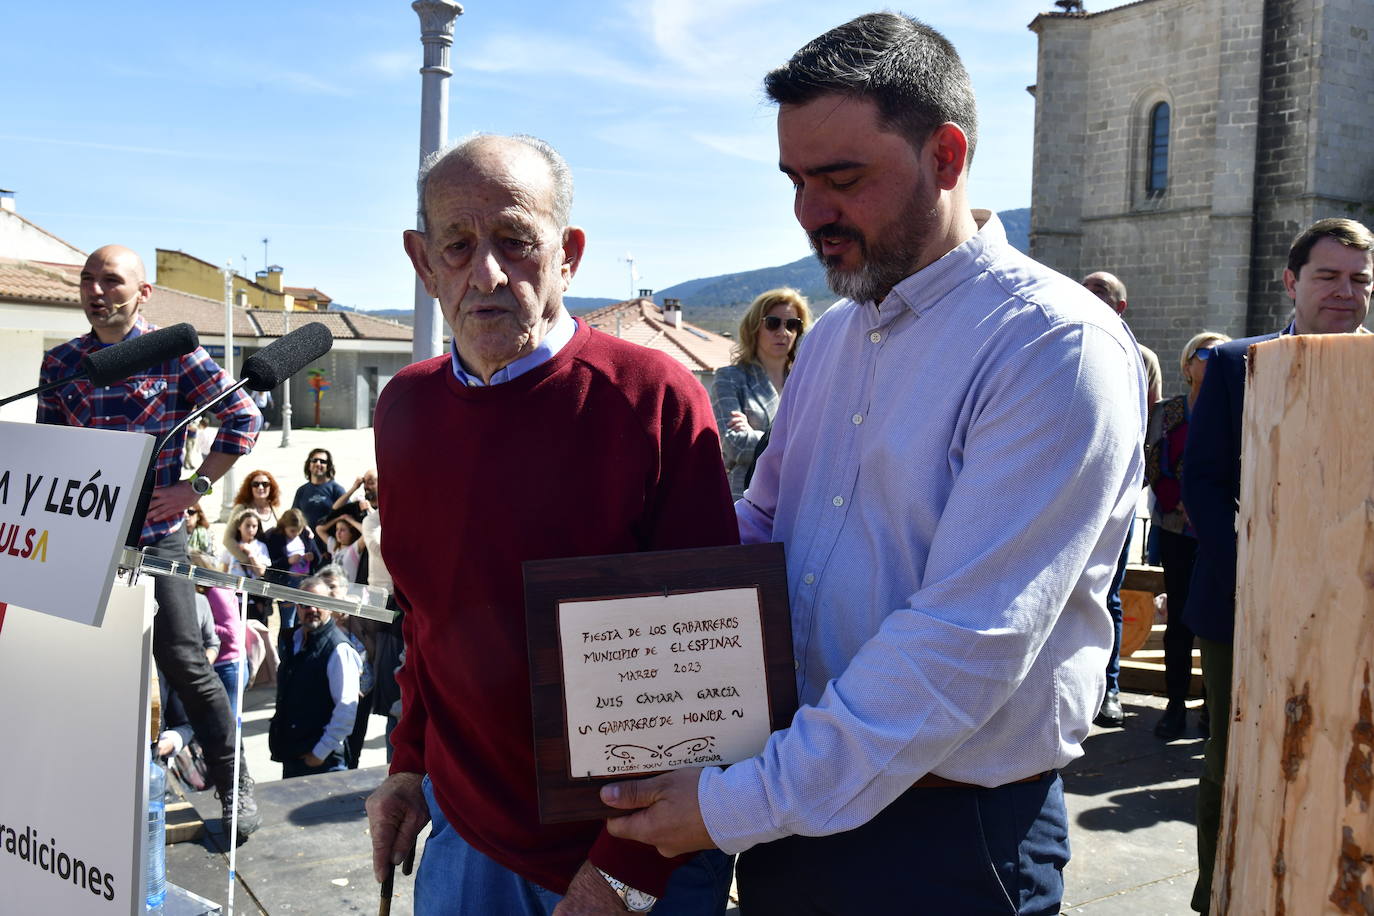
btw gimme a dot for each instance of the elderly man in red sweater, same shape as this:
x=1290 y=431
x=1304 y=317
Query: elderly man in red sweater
x=556 y=441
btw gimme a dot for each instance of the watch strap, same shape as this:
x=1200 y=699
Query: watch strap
x=209 y=486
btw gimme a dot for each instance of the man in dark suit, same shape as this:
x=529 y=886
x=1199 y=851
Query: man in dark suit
x=1329 y=277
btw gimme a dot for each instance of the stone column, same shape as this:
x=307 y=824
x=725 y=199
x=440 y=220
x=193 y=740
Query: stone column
x=436 y=34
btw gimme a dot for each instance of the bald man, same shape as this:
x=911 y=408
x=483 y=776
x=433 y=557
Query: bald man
x=1112 y=291
x=114 y=287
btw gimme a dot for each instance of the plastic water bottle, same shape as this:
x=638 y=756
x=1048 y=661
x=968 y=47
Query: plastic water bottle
x=155 y=866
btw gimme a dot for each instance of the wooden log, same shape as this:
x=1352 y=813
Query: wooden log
x=1297 y=834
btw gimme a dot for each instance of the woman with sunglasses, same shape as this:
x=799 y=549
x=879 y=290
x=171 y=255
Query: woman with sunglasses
x=261 y=494
x=316 y=497
x=745 y=394
x=1177 y=540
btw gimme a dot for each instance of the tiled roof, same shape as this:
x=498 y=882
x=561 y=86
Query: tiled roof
x=44 y=283
x=34 y=281
x=305 y=292
x=343 y=325
x=641 y=321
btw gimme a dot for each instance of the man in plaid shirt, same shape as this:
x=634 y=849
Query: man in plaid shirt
x=113 y=287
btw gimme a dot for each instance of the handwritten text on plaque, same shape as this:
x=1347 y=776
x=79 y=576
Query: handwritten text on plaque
x=662 y=682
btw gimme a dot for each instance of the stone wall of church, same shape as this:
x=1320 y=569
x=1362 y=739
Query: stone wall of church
x=1270 y=129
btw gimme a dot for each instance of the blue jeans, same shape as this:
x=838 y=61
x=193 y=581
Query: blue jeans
x=456 y=879
x=1114 y=608
x=229 y=677
x=960 y=850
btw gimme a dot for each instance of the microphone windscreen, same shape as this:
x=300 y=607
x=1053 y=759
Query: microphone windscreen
x=283 y=358
x=129 y=357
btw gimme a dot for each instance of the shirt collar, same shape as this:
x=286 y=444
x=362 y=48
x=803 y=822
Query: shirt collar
x=564 y=326
x=929 y=285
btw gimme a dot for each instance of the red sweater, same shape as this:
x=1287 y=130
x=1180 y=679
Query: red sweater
x=608 y=447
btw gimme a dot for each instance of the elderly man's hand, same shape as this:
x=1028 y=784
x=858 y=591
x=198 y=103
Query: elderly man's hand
x=589 y=895
x=396 y=813
x=671 y=818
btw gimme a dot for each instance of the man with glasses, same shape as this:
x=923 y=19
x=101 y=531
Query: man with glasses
x=1329 y=278
x=112 y=291
x=316 y=497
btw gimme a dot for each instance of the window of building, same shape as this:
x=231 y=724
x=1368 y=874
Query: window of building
x=1157 y=168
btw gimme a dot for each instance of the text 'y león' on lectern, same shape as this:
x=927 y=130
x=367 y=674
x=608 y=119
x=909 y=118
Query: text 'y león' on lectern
x=76 y=616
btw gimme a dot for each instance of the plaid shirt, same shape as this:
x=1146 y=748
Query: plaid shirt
x=152 y=402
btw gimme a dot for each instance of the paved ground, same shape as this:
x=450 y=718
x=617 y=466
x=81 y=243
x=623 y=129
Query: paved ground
x=1130 y=797
x=1130 y=802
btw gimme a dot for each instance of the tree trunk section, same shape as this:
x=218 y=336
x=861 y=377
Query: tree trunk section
x=1297 y=833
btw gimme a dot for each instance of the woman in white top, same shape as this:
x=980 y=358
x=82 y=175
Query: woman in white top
x=344 y=537
x=244 y=555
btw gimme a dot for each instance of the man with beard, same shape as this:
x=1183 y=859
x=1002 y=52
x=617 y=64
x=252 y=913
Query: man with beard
x=953 y=467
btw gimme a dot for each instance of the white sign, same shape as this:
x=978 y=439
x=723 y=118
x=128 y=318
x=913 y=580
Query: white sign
x=66 y=499
x=73 y=759
x=662 y=682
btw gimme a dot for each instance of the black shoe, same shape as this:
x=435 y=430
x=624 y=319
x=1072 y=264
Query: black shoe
x=1172 y=724
x=1110 y=715
x=249 y=819
x=1204 y=723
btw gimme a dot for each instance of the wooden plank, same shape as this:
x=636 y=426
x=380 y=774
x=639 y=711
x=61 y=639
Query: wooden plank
x=183 y=822
x=1297 y=832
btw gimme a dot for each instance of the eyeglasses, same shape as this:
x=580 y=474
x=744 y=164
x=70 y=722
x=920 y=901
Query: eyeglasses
x=319 y=460
x=262 y=485
x=1203 y=353
x=192 y=512
x=773 y=322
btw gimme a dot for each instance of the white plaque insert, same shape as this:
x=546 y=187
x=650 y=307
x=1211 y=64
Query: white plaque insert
x=663 y=681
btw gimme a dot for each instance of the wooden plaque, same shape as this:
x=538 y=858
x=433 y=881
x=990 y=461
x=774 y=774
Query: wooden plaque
x=647 y=662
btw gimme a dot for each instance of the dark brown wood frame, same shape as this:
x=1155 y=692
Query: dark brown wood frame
x=563 y=797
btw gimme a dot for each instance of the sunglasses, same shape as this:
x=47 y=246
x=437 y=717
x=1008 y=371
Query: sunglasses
x=773 y=322
x=262 y=485
x=192 y=512
x=319 y=460
x=1203 y=353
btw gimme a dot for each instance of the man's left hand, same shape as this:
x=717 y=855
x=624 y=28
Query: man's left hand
x=169 y=502
x=589 y=894
x=671 y=819
x=311 y=760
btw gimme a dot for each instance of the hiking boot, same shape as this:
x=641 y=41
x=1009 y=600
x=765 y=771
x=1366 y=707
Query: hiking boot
x=249 y=819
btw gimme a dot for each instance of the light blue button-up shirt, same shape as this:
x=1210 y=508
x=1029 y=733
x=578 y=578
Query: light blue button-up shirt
x=564 y=326
x=952 y=475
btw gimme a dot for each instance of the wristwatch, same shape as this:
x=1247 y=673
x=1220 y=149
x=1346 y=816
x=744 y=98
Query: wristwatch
x=201 y=484
x=636 y=901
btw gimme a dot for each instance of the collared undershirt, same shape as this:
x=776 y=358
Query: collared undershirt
x=564 y=326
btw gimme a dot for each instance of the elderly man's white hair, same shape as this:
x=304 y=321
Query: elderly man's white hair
x=462 y=149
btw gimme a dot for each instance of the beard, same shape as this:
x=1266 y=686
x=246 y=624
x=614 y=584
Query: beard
x=885 y=262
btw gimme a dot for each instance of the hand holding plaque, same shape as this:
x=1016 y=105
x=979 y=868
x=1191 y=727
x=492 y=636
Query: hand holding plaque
x=643 y=663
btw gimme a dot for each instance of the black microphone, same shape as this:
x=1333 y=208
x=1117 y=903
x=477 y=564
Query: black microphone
x=128 y=357
x=283 y=358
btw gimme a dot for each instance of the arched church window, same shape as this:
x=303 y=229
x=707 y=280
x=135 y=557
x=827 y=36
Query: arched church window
x=1157 y=169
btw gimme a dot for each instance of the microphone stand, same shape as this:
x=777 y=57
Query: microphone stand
x=145 y=495
x=43 y=388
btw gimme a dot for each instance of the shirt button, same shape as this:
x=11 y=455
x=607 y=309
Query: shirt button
x=796 y=665
x=838 y=501
x=875 y=337
x=858 y=418
x=809 y=578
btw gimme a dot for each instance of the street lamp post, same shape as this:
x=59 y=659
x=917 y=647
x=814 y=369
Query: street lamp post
x=286 y=383
x=227 y=481
x=436 y=34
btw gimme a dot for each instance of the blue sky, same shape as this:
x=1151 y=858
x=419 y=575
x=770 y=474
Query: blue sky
x=207 y=127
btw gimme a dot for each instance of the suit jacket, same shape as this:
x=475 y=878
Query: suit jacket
x=1211 y=490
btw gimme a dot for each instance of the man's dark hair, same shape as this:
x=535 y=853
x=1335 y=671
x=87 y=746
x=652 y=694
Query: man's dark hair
x=1348 y=232
x=909 y=70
